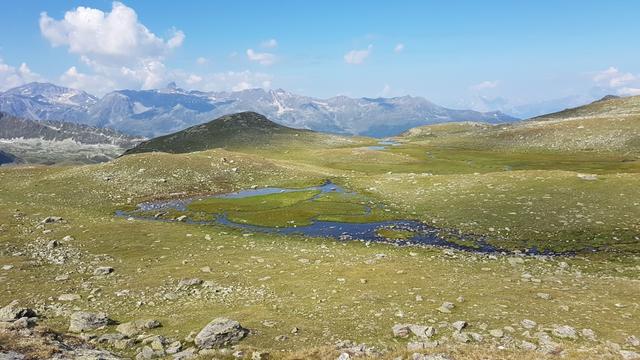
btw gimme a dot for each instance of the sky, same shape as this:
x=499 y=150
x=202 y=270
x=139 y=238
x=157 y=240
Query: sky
x=477 y=54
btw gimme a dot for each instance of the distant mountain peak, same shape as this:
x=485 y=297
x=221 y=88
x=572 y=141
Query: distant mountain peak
x=607 y=98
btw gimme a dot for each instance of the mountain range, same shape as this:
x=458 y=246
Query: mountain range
x=157 y=112
x=49 y=142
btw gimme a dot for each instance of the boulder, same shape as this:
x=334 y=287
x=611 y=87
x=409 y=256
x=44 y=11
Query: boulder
x=564 y=332
x=84 y=321
x=13 y=312
x=220 y=332
x=102 y=270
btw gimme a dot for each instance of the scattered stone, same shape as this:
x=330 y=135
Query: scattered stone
x=629 y=355
x=514 y=261
x=220 y=332
x=446 y=307
x=7 y=267
x=528 y=324
x=136 y=327
x=190 y=353
x=69 y=297
x=103 y=270
x=344 y=356
x=459 y=325
x=51 y=219
x=401 y=330
x=588 y=177
x=496 y=333
x=62 y=277
x=461 y=337
x=588 y=334
x=544 y=296
x=565 y=332
x=82 y=321
x=53 y=244
x=13 y=312
x=182 y=218
x=421 y=345
x=205 y=269
x=529 y=346
x=633 y=341
x=259 y=355
x=184 y=283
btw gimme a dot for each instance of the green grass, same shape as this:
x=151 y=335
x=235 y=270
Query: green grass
x=395 y=234
x=338 y=290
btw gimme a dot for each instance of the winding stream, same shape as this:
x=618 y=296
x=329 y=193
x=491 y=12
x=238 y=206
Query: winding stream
x=422 y=234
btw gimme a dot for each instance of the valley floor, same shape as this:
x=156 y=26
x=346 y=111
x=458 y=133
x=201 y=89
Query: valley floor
x=317 y=298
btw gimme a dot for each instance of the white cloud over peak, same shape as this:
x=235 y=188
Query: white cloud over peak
x=264 y=58
x=357 y=57
x=120 y=51
x=614 y=78
x=485 y=85
x=622 y=83
x=269 y=44
x=11 y=76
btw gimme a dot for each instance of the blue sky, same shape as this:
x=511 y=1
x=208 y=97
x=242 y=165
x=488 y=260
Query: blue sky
x=453 y=53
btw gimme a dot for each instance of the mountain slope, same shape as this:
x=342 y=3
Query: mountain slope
x=54 y=141
x=609 y=125
x=162 y=111
x=7 y=158
x=241 y=130
x=44 y=101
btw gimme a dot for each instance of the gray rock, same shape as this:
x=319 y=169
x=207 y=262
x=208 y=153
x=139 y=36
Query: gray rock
x=13 y=312
x=260 y=355
x=528 y=324
x=401 y=330
x=421 y=345
x=103 y=270
x=633 y=340
x=11 y=355
x=69 y=297
x=496 y=333
x=344 y=356
x=629 y=355
x=51 y=219
x=189 y=282
x=446 y=307
x=588 y=334
x=544 y=296
x=564 y=332
x=461 y=337
x=219 y=333
x=459 y=325
x=188 y=354
x=83 y=321
x=136 y=327
x=529 y=346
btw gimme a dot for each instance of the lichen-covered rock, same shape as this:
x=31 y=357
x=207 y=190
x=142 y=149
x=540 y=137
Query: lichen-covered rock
x=220 y=332
x=83 y=321
x=13 y=312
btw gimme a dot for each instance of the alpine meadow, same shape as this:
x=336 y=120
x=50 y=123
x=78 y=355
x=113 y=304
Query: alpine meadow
x=162 y=196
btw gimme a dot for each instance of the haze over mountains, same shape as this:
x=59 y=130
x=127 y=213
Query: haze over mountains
x=161 y=111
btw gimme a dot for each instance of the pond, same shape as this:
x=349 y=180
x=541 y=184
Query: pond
x=410 y=232
x=384 y=144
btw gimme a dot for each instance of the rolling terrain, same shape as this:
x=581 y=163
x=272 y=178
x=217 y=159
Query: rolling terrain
x=542 y=184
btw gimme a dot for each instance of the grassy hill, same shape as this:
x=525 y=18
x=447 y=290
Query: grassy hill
x=611 y=125
x=242 y=130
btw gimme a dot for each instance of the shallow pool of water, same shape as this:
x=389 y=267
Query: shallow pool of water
x=423 y=234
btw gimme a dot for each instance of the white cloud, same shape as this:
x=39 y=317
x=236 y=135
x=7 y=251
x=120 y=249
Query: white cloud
x=613 y=78
x=269 y=44
x=386 y=90
x=629 y=91
x=120 y=51
x=202 y=60
x=357 y=56
x=485 y=85
x=399 y=48
x=11 y=76
x=262 y=58
x=116 y=34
